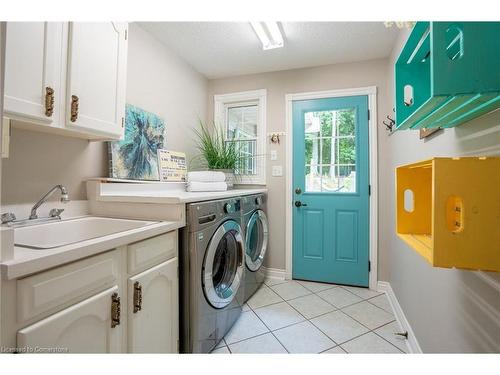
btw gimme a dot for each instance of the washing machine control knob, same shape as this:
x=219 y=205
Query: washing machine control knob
x=258 y=200
x=229 y=208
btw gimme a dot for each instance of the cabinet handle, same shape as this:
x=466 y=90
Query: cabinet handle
x=137 y=297
x=49 y=101
x=115 y=310
x=74 y=108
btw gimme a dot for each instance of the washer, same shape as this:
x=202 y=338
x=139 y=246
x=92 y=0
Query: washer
x=211 y=273
x=256 y=240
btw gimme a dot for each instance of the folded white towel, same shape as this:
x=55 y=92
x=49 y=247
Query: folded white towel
x=206 y=176
x=206 y=186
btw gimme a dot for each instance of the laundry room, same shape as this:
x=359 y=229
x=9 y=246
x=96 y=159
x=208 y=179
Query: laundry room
x=206 y=186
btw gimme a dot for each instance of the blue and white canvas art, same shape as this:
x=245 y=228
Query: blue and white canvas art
x=136 y=156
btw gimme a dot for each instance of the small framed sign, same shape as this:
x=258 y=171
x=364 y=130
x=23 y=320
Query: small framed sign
x=172 y=165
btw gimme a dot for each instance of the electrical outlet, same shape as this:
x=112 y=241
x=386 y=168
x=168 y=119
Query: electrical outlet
x=274 y=155
x=277 y=171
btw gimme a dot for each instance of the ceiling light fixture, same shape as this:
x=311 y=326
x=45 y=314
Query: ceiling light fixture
x=269 y=34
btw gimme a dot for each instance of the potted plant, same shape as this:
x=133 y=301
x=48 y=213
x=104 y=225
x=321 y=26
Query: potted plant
x=216 y=153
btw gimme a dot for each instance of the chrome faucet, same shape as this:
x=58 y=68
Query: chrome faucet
x=64 y=199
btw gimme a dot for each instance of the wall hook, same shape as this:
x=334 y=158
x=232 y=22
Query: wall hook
x=389 y=126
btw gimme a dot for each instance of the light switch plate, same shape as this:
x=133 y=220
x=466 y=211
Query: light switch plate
x=277 y=171
x=274 y=155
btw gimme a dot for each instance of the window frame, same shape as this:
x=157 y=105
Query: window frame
x=259 y=97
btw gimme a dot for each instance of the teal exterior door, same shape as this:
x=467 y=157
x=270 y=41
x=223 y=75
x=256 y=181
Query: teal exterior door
x=331 y=190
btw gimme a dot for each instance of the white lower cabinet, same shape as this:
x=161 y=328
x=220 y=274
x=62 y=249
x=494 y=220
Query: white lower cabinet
x=100 y=304
x=153 y=310
x=87 y=327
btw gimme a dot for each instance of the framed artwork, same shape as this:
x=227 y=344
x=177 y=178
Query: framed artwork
x=136 y=156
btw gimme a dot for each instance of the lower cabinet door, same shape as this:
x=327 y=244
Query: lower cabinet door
x=82 y=328
x=153 y=311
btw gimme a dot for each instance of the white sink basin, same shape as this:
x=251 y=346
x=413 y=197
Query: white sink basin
x=66 y=232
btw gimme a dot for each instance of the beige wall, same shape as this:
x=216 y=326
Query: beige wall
x=278 y=84
x=157 y=81
x=449 y=310
x=160 y=82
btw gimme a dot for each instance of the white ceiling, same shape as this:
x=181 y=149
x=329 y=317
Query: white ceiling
x=222 y=49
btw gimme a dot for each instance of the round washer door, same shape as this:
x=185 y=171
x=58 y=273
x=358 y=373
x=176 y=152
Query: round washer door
x=257 y=236
x=223 y=265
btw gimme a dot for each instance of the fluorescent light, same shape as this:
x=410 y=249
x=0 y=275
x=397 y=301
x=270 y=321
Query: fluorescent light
x=269 y=34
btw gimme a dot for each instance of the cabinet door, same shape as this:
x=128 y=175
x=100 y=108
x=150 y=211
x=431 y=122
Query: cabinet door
x=154 y=328
x=97 y=60
x=81 y=328
x=34 y=55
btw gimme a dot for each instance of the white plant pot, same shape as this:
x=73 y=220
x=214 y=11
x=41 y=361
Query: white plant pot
x=230 y=177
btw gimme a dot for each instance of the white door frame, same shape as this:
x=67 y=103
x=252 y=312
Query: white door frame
x=371 y=92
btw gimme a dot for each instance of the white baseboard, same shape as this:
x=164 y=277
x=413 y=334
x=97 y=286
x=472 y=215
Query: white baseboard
x=411 y=343
x=275 y=273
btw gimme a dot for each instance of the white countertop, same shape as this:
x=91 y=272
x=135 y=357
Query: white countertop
x=163 y=193
x=26 y=261
x=176 y=197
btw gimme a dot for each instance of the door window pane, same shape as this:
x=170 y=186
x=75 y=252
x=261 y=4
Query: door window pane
x=346 y=122
x=330 y=151
x=327 y=150
x=313 y=151
x=338 y=178
x=313 y=178
x=346 y=151
x=312 y=125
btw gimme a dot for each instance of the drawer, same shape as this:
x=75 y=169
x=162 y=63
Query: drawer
x=150 y=252
x=57 y=288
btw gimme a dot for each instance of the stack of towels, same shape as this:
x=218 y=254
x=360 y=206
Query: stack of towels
x=206 y=181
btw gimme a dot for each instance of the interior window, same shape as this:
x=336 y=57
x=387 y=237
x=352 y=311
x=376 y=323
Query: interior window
x=241 y=128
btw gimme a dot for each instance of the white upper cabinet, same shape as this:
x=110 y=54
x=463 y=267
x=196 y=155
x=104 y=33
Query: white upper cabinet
x=67 y=78
x=153 y=313
x=33 y=70
x=97 y=59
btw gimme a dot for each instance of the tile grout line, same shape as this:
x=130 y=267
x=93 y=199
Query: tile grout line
x=258 y=317
x=369 y=329
x=310 y=319
x=306 y=320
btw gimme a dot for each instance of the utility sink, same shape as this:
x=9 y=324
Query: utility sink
x=67 y=232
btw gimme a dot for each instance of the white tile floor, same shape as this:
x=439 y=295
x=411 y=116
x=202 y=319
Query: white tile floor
x=307 y=317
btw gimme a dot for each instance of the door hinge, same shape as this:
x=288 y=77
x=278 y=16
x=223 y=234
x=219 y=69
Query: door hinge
x=369 y=266
x=123 y=122
x=126 y=34
x=368 y=115
x=369 y=190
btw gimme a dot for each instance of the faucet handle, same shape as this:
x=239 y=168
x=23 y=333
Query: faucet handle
x=8 y=217
x=56 y=212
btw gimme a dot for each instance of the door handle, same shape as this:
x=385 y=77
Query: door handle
x=137 y=297
x=300 y=204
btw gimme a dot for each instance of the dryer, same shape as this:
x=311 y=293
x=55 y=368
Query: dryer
x=256 y=241
x=212 y=274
